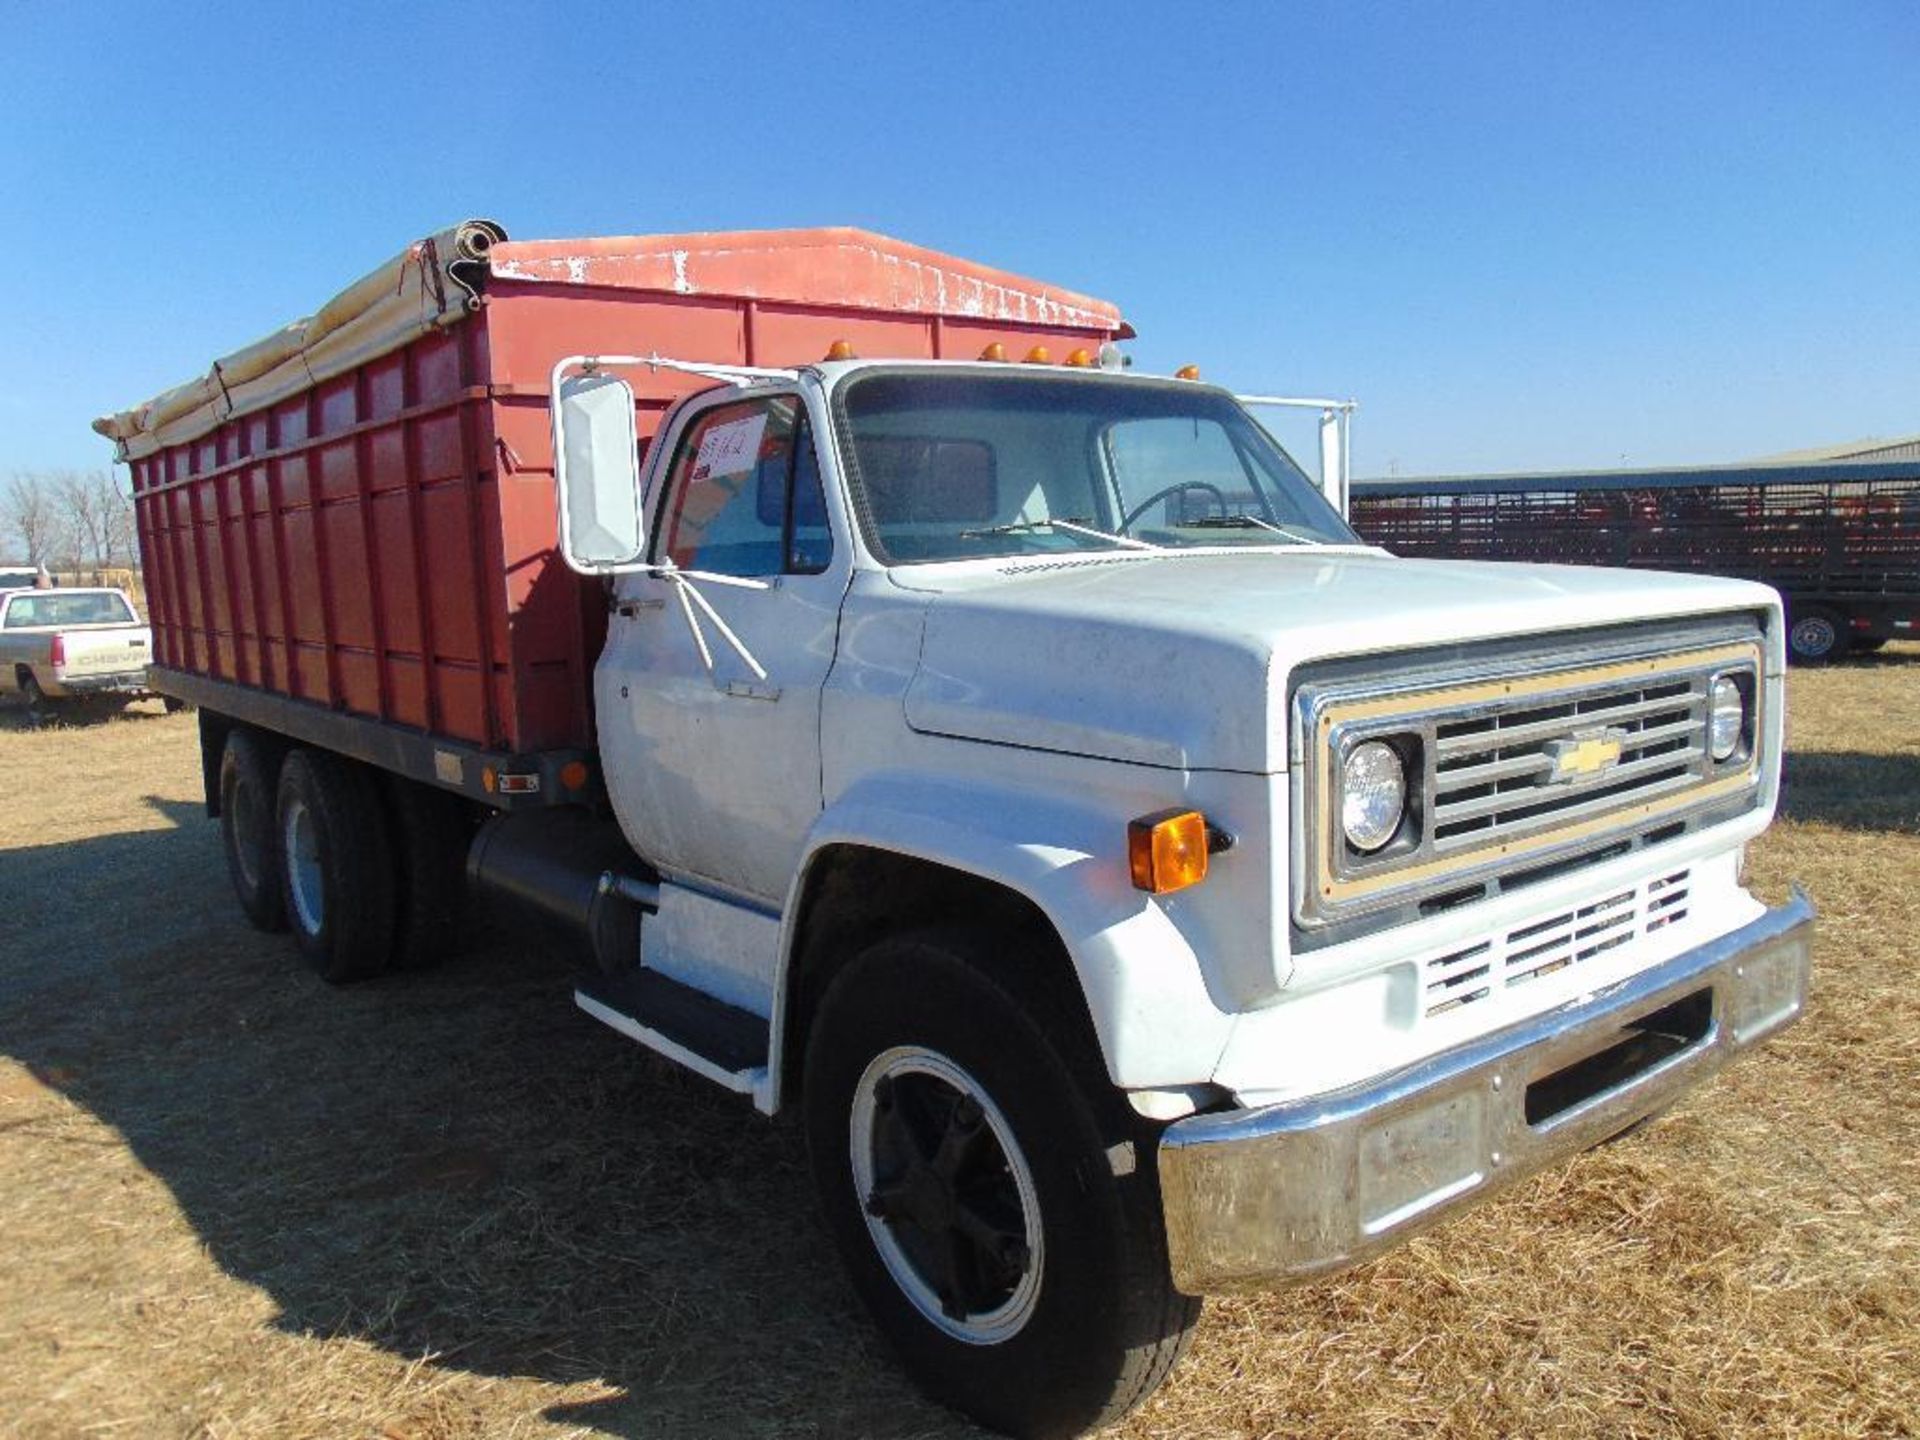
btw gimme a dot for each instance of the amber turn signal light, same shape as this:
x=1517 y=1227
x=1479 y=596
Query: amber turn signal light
x=1167 y=851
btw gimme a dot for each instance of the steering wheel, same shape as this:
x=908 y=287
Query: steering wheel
x=1219 y=496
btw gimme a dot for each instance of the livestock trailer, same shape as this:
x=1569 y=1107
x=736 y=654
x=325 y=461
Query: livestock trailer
x=1839 y=540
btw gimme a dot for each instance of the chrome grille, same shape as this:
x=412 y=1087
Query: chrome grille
x=1493 y=774
x=1520 y=768
x=1552 y=943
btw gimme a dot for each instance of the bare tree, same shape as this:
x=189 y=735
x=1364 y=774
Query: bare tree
x=99 y=518
x=34 y=516
x=123 y=545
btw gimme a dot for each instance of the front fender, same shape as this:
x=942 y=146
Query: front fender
x=1142 y=981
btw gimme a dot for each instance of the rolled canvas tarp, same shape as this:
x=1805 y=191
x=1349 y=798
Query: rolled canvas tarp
x=433 y=283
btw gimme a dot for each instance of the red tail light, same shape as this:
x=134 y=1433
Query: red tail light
x=59 y=650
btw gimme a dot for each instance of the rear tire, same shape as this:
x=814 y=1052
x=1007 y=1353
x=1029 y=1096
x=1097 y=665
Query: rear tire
x=1817 y=636
x=338 y=869
x=1026 y=1283
x=431 y=836
x=39 y=708
x=248 y=784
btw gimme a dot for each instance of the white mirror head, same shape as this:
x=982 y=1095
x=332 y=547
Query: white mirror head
x=1333 y=460
x=597 y=464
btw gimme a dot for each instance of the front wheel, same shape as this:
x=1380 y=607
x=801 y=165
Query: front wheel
x=994 y=1199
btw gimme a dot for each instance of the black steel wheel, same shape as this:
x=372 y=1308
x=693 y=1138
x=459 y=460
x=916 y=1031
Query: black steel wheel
x=337 y=865
x=994 y=1198
x=249 y=778
x=951 y=1202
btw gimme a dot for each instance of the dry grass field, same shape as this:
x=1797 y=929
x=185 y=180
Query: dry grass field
x=235 y=1203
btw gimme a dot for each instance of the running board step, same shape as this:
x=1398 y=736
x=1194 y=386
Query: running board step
x=726 y=1044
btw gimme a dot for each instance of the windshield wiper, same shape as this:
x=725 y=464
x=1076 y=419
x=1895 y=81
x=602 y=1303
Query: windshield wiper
x=1248 y=522
x=1074 y=526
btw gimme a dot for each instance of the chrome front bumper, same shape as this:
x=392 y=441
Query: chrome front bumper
x=1300 y=1189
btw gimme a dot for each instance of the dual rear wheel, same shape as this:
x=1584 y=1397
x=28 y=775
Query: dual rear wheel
x=366 y=871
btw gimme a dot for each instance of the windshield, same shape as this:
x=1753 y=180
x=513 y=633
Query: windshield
x=67 y=607
x=955 y=466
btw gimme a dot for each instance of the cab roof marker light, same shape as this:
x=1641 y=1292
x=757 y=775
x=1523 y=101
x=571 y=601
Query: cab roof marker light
x=1187 y=372
x=995 y=352
x=1039 y=355
x=840 y=350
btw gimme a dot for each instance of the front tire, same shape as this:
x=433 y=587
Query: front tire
x=994 y=1199
x=338 y=865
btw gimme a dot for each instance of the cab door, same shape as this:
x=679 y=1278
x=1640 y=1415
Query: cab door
x=709 y=693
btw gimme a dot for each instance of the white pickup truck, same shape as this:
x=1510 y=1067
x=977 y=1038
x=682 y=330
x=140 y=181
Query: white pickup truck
x=1142 y=887
x=72 y=645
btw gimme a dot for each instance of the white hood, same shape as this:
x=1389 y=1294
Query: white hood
x=1172 y=659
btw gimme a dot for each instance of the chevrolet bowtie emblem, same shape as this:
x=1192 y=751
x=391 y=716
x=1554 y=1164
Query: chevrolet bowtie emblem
x=1584 y=757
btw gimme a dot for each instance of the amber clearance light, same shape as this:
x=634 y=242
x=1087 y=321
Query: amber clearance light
x=1167 y=851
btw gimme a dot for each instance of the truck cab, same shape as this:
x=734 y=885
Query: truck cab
x=1377 y=884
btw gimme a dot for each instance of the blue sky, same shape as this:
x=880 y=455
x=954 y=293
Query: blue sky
x=1528 y=235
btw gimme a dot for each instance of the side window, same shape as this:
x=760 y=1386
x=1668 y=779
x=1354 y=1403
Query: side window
x=744 y=494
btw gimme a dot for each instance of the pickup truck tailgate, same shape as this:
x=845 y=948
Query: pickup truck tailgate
x=105 y=649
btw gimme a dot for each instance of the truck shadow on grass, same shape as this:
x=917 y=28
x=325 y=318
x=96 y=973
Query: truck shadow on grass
x=1853 y=790
x=454 y=1163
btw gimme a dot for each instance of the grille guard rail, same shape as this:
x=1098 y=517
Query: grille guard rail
x=1301 y=1189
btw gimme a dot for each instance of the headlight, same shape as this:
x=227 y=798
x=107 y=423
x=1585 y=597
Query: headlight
x=1726 y=718
x=1373 y=795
